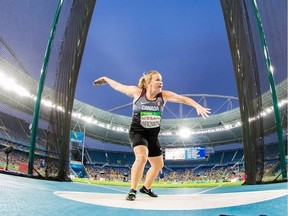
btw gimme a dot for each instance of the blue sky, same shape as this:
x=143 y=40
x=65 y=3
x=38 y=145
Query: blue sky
x=185 y=40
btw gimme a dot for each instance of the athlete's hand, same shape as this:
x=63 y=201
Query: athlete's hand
x=203 y=111
x=100 y=81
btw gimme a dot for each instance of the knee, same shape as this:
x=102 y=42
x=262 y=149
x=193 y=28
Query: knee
x=141 y=158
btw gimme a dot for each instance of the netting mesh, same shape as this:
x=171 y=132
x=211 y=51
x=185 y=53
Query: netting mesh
x=25 y=26
x=252 y=75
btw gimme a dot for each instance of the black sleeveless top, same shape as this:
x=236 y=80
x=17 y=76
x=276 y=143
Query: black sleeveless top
x=147 y=114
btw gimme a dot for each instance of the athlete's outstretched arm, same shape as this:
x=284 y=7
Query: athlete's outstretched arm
x=173 y=97
x=130 y=91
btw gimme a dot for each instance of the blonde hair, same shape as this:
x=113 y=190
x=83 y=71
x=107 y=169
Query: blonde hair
x=145 y=79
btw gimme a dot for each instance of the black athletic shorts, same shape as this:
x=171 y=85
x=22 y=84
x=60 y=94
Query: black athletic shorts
x=148 y=140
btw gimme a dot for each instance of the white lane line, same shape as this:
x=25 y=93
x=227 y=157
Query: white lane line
x=204 y=191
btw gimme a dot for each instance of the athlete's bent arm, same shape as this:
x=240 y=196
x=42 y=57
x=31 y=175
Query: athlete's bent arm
x=176 y=98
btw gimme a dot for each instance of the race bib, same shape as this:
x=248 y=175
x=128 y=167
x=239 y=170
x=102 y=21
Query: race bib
x=150 y=119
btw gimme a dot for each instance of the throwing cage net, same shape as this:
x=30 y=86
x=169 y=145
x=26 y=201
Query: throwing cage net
x=42 y=141
x=250 y=38
x=26 y=27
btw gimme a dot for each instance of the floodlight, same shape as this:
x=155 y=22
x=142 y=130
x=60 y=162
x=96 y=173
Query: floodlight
x=184 y=133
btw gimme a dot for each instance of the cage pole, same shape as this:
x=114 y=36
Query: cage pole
x=83 y=148
x=40 y=89
x=272 y=88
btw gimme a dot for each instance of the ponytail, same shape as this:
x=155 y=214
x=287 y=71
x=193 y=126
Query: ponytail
x=145 y=79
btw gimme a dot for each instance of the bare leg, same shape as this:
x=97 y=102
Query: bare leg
x=156 y=166
x=141 y=155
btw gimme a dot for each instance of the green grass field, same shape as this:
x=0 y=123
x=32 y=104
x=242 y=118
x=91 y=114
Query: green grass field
x=161 y=184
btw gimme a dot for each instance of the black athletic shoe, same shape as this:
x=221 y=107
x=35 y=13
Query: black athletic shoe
x=148 y=192
x=131 y=195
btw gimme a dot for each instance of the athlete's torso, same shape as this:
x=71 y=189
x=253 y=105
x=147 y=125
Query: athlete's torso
x=147 y=114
